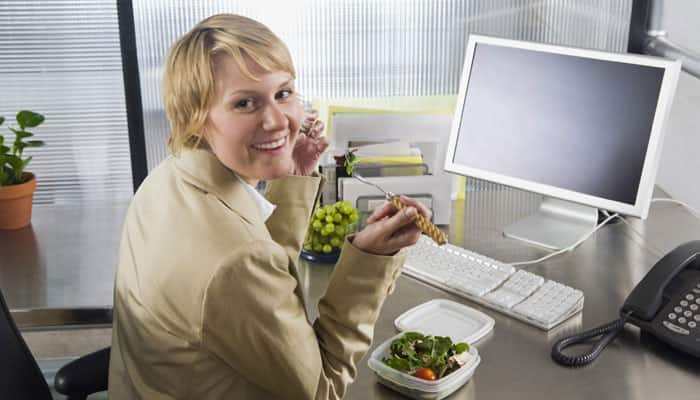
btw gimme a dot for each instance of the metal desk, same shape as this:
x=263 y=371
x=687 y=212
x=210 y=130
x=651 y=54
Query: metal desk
x=60 y=269
x=515 y=357
x=65 y=262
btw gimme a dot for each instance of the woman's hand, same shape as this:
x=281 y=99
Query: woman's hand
x=309 y=145
x=389 y=230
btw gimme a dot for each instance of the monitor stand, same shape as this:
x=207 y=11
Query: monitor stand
x=556 y=225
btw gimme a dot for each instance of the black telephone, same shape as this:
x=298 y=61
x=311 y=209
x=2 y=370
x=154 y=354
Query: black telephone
x=666 y=303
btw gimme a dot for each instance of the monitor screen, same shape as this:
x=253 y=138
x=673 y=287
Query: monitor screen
x=569 y=123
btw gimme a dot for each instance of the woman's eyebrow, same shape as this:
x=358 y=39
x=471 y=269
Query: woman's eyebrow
x=250 y=91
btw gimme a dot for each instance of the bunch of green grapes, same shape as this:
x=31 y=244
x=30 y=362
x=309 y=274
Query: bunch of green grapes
x=329 y=225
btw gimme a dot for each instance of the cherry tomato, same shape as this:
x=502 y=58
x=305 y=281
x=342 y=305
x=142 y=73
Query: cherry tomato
x=425 y=373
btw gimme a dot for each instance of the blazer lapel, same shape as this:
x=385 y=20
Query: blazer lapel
x=201 y=168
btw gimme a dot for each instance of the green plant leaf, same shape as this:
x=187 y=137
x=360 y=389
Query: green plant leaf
x=35 y=143
x=21 y=134
x=29 y=119
x=26 y=162
x=2 y=119
x=14 y=162
x=3 y=149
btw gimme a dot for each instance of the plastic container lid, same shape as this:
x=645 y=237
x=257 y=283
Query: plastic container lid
x=437 y=317
x=441 y=317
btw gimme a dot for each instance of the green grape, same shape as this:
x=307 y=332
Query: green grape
x=335 y=242
x=346 y=209
x=318 y=247
x=307 y=246
x=354 y=217
x=339 y=230
x=327 y=248
x=324 y=232
x=317 y=225
x=316 y=240
x=320 y=214
x=329 y=217
x=329 y=227
x=337 y=218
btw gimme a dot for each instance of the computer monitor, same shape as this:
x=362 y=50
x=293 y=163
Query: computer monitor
x=582 y=127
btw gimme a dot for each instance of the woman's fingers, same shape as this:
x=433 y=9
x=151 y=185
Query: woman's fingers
x=385 y=210
x=418 y=205
x=316 y=128
x=402 y=218
x=388 y=209
x=406 y=236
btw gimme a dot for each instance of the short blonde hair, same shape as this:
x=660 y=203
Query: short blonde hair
x=188 y=81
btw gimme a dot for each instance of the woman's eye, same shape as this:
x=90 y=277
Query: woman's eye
x=246 y=104
x=284 y=94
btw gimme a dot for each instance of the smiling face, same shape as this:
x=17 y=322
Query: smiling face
x=253 y=125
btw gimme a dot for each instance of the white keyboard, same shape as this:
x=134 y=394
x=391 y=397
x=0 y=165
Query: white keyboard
x=516 y=293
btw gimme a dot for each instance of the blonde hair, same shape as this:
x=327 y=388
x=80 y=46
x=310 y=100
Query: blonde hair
x=188 y=81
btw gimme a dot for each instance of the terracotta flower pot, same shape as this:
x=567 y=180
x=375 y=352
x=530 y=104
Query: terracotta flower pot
x=16 y=204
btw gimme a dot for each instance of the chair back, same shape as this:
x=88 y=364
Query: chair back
x=20 y=376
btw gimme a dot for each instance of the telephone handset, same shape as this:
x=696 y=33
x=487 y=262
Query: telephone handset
x=666 y=303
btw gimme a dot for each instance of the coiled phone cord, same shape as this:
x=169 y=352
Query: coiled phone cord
x=607 y=333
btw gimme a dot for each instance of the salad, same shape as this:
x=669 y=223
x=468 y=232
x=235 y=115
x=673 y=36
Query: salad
x=426 y=357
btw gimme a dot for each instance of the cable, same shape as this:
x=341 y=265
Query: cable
x=573 y=246
x=608 y=218
x=607 y=333
x=666 y=200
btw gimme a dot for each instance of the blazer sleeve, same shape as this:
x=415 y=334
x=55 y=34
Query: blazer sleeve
x=255 y=323
x=294 y=198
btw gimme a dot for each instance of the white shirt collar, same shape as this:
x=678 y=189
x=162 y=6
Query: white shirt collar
x=265 y=207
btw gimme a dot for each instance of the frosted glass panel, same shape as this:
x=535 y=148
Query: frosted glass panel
x=63 y=60
x=368 y=48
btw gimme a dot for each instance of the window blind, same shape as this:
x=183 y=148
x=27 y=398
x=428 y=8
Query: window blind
x=368 y=48
x=62 y=59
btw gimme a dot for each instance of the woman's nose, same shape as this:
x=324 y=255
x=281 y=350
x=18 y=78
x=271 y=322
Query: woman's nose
x=274 y=119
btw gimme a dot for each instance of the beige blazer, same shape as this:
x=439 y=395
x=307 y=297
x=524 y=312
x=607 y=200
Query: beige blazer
x=207 y=301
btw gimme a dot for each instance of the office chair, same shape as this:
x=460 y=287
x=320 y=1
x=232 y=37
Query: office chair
x=21 y=378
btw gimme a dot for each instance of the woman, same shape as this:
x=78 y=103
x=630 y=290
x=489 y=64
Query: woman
x=207 y=302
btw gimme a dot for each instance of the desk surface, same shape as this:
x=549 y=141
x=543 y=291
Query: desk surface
x=515 y=357
x=66 y=259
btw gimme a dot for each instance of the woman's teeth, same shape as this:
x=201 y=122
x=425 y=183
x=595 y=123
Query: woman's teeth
x=270 y=145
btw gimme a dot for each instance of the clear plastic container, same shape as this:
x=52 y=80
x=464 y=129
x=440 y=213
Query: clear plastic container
x=436 y=317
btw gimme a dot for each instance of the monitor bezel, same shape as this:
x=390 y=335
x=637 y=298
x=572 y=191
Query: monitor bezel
x=640 y=208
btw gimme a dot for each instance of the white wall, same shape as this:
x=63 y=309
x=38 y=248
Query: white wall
x=679 y=170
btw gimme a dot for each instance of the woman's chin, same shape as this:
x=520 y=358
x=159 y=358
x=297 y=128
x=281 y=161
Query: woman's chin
x=277 y=172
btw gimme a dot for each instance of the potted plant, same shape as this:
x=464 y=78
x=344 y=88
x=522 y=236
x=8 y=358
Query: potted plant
x=17 y=185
